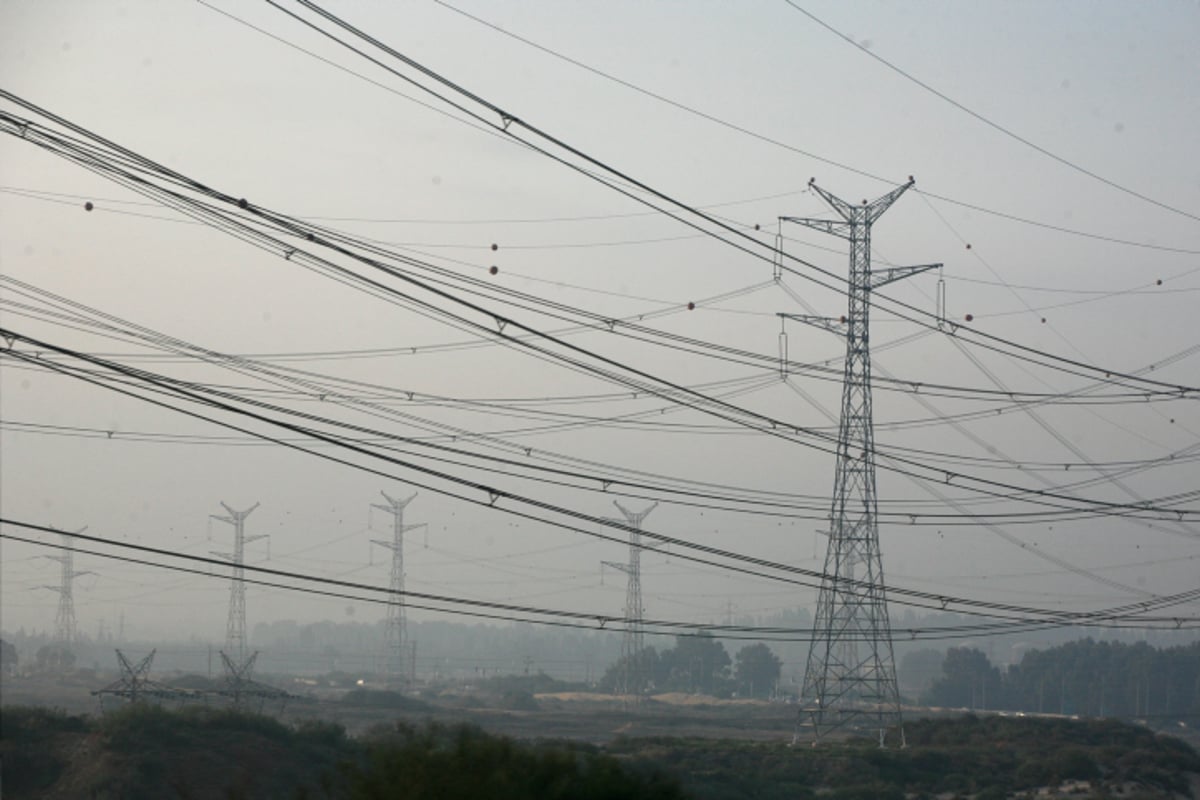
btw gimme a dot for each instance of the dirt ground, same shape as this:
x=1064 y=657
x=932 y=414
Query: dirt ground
x=595 y=718
x=580 y=716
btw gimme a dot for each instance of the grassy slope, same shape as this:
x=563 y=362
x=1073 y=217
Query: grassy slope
x=988 y=757
x=199 y=752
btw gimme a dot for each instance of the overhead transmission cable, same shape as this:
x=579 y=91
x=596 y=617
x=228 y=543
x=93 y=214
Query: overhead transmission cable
x=440 y=293
x=992 y=123
x=296 y=228
x=507 y=121
x=221 y=400
x=1138 y=613
x=793 y=148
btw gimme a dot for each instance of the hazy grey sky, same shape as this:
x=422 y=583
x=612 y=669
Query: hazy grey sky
x=1108 y=86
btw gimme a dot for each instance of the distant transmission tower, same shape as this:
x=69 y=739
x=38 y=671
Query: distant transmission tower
x=850 y=680
x=395 y=634
x=632 y=680
x=235 y=629
x=66 y=630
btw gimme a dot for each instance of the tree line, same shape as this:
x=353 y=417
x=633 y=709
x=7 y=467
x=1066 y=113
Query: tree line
x=1086 y=678
x=701 y=664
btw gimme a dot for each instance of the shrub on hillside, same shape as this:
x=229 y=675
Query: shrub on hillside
x=462 y=762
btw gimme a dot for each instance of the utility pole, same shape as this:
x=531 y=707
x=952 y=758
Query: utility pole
x=632 y=678
x=65 y=627
x=850 y=680
x=395 y=634
x=235 y=629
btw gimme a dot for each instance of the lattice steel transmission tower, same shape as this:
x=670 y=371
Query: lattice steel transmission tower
x=632 y=678
x=242 y=690
x=395 y=634
x=66 y=629
x=850 y=679
x=135 y=685
x=235 y=628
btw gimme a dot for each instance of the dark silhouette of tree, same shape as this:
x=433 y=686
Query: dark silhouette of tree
x=54 y=658
x=756 y=670
x=697 y=664
x=968 y=681
x=448 y=762
x=8 y=657
x=1085 y=678
x=920 y=668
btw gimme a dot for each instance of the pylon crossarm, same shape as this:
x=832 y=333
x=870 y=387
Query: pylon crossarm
x=635 y=519
x=393 y=503
x=833 y=227
x=834 y=326
x=616 y=565
x=237 y=515
x=882 y=204
x=884 y=277
x=836 y=203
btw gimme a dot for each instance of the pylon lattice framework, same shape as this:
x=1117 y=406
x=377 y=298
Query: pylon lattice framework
x=65 y=626
x=395 y=632
x=235 y=628
x=850 y=677
x=134 y=684
x=241 y=688
x=632 y=678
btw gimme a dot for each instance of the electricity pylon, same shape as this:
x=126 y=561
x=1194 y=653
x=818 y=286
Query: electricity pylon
x=235 y=628
x=395 y=634
x=65 y=627
x=135 y=685
x=850 y=679
x=632 y=680
x=241 y=688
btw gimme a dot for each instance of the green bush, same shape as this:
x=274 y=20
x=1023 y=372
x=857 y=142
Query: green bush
x=26 y=747
x=461 y=762
x=518 y=701
x=378 y=698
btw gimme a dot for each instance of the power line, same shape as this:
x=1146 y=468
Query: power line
x=507 y=121
x=792 y=148
x=295 y=228
x=187 y=390
x=991 y=123
x=1130 y=614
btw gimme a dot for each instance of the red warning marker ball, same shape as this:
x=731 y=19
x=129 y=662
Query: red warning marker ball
x=495 y=247
x=970 y=317
x=88 y=207
x=691 y=306
x=494 y=269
